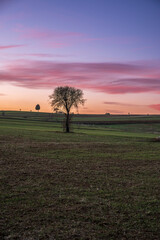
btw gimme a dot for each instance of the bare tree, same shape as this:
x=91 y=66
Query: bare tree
x=37 y=107
x=65 y=98
x=56 y=110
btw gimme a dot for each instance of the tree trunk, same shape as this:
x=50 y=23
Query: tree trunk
x=67 y=123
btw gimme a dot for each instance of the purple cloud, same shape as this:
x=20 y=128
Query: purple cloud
x=2 y=47
x=102 y=77
x=45 y=55
x=31 y=33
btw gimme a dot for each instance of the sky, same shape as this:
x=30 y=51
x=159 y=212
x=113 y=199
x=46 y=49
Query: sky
x=110 y=49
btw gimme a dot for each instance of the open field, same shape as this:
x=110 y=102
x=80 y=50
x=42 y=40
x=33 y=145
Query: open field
x=100 y=182
x=81 y=118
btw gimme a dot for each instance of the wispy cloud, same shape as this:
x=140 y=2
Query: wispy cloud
x=46 y=55
x=56 y=44
x=31 y=33
x=39 y=55
x=2 y=47
x=155 y=106
x=112 y=78
x=114 y=39
x=49 y=38
x=119 y=103
x=58 y=39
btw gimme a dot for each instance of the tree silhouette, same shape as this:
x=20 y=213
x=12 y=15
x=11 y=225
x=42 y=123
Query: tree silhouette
x=56 y=110
x=65 y=98
x=37 y=107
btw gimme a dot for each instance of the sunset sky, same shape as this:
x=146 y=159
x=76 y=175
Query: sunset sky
x=108 y=48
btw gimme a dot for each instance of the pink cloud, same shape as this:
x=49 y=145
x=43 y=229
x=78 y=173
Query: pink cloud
x=11 y=46
x=39 y=55
x=120 y=89
x=44 y=55
x=56 y=44
x=102 y=77
x=50 y=38
x=155 y=106
x=141 y=81
x=30 y=33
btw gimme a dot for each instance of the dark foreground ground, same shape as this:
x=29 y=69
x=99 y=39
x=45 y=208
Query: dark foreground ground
x=91 y=184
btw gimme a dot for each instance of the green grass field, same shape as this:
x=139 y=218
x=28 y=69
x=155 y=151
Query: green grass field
x=99 y=182
x=53 y=117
